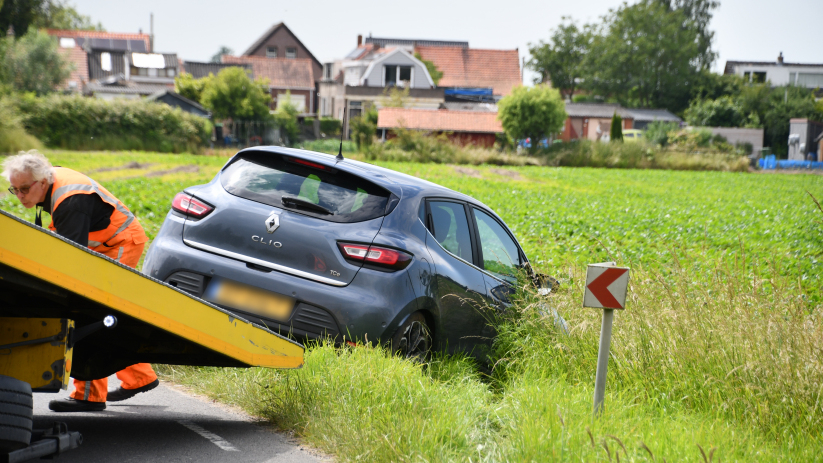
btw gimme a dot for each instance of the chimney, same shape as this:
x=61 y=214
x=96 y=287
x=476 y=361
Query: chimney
x=359 y=40
x=780 y=58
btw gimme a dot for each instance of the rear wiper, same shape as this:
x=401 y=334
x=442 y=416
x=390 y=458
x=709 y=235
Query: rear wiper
x=302 y=203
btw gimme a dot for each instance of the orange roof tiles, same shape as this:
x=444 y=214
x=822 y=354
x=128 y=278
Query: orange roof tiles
x=284 y=73
x=99 y=35
x=474 y=67
x=439 y=120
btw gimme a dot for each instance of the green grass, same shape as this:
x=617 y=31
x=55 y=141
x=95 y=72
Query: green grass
x=718 y=352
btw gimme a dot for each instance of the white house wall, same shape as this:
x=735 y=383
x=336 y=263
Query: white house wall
x=375 y=76
x=777 y=75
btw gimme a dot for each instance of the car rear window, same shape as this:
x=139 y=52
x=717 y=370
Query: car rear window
x=271 y=179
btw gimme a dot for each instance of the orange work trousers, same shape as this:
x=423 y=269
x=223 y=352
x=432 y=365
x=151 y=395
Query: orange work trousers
x=132 y=377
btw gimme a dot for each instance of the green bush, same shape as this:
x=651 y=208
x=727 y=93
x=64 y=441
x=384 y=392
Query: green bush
x=616 y=129
x=13 y=137
x=364 y=128
x=658 y=132
x=77 y=123
x=330 y=126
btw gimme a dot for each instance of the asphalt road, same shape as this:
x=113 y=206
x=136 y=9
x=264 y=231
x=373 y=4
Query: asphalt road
x=169 y=425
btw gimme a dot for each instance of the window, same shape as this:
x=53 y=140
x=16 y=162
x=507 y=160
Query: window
x=450 y=228
x=759 y=77
x=271 y=52
x=268 y=179
x=809 y=80
x=291 y=52
x=105 y=61
x=67 y=42
x=399 y=76
x=327 y=70
x=170 y=72
x=500 y=253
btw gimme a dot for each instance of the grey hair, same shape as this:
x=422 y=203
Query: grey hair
x=32 y=162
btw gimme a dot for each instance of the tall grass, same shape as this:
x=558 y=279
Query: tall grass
x=724 y=364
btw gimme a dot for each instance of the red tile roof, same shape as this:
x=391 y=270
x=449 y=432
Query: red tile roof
x=286 y=73
x=439 y=120
x=473 y=67
x=99 y=35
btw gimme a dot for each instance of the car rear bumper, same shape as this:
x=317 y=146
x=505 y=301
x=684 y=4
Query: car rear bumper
x=370 y=307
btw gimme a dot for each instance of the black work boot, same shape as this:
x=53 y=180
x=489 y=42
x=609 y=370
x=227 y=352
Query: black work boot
x=116 y=395
x=75 y=405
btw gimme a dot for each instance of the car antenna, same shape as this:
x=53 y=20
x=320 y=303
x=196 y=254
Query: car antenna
x=339 y=156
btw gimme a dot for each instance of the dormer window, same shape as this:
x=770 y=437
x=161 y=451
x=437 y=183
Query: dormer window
x=397 y=76
x=271 y=52
x=291 y=52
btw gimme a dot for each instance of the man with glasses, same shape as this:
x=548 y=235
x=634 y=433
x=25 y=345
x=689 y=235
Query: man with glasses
x=84 y=212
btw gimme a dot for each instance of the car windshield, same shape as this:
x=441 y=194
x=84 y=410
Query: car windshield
x=328 y=194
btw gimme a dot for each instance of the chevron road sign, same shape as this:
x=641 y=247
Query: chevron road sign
x=606 y=287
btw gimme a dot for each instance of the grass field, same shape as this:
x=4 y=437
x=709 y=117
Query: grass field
x=717 y=357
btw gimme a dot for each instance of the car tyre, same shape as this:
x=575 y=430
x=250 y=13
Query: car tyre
x=15 y=414
x=412 y=340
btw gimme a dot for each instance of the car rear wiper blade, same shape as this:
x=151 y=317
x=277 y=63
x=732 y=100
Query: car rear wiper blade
x=302 y=203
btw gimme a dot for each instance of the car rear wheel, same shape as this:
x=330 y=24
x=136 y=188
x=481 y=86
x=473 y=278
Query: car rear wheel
x=15 y=414
x=412 y=340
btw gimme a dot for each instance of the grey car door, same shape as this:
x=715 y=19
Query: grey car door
x=459 y=286
x=500 y=256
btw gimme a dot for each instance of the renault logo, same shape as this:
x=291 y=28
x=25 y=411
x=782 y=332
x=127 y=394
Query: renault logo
x=273 y=222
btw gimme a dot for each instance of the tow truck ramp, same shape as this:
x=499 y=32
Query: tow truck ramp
x=68 y=311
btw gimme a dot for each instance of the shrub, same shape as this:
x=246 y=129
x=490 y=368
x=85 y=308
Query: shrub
x=286 y=118
x=73 y=122
x=616 y=129
x=658 y=132
x=13 y=137
x=330 y=126
x=363 y=128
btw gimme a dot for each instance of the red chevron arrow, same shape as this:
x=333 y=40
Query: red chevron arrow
x=600 y=287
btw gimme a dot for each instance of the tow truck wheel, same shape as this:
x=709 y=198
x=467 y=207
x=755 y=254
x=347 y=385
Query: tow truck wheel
x=412 y=340
x=15 y=414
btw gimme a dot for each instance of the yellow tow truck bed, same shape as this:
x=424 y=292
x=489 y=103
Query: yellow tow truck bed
x=46 y=277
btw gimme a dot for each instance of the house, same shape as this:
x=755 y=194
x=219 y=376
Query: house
x=179 y=101
x=479 y=128
x=590 y=121
x=77 y=46
x=280 y=42
x=804 y=135
x=643 y=117
x=465 y=67
x=198 y=70
x=365 y=77
x=778 y=73
x=289 y=79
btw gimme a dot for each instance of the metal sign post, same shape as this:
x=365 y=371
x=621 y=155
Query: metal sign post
x=606 y=287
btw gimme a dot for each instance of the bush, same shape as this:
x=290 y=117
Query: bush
x=364 y=128
x=616 y=129
x=286 y=118
x=330 y=126
x=658 y=132
x=13 y=137
x=73 y=122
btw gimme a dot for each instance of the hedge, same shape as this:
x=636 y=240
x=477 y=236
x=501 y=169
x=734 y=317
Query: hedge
x=78 y=123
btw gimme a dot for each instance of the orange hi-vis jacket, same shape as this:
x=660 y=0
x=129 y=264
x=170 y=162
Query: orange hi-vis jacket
x=124 y=229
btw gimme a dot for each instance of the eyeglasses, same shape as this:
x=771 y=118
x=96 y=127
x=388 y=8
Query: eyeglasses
x=23 y=189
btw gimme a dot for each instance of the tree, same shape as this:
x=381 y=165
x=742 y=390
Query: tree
x=18 y=15
x=560 y=61
x=218 y=57
x=186 y=85
x=435 y=73
x=643 y=56
x=286 y=118
x=395 y=97
x=616 y=130
x=721 y=112
x=364 y=128
x=56 y=14
x=532 y=112
x=232 y=94
x=699 y=15
x=33 y=63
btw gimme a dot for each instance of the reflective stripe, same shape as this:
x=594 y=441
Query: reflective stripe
x=87 y=386
x=120 y=254
x=94 y=244
x=60 y=192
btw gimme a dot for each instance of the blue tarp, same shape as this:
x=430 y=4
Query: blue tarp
x=771 y=162
x=468 y=91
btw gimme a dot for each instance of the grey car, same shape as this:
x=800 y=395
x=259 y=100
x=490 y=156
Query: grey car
x=315 y=246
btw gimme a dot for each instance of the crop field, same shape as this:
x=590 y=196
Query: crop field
x=717 y=357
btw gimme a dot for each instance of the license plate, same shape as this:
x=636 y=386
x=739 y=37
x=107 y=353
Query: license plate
x=250 y=299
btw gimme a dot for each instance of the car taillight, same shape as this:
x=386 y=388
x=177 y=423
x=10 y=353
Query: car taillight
x=375 y=255
x=191 y=206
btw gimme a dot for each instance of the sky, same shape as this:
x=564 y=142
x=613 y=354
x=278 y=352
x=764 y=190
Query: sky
x=756 y=30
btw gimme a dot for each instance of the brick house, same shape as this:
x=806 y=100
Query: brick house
x=287 y=76
x=479 y=128
x=475 y=68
